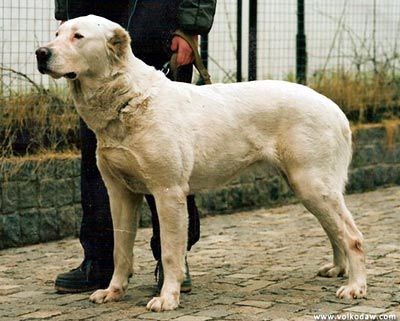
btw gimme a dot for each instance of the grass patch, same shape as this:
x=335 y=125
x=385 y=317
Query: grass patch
x=42 y=121
x=364 y=97
x=37 y=121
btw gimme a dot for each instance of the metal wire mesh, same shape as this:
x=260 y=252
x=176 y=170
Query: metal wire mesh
x=223 y=43
x=24 y=25
x=344 y=34
x=276 y=36
x=353 y=35
x=341 y=34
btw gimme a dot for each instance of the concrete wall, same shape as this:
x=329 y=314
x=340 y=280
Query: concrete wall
x=40 y=198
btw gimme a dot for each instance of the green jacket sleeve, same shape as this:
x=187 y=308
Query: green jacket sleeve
x=196 y=16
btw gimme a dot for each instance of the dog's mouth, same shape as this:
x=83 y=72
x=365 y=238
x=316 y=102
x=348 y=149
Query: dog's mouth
x=43 y=69
x=71 y=75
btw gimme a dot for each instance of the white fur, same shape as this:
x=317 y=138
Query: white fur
x=171 y=138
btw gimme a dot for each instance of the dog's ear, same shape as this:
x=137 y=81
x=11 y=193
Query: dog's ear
x=119 y=42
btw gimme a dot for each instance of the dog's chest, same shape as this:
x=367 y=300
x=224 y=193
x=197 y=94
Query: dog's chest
x=122 y=165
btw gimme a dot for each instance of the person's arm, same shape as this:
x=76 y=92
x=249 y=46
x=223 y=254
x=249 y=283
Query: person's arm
x=194 y=17
x=113 y=10
x=60 y=10
x=68 y=9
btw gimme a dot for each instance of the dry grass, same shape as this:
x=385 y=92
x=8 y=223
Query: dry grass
x=37 y=163
x=44 y=121
x=363 y=97
x=35 y=122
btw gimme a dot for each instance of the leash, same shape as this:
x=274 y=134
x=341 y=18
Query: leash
x=172 y=66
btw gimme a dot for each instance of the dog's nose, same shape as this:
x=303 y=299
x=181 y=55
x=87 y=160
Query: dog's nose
x=43 y=55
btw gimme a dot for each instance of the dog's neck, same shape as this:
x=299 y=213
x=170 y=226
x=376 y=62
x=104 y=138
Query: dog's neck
x=100 y=99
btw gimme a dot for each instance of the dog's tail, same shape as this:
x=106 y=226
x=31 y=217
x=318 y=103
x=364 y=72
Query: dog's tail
x=346 y=151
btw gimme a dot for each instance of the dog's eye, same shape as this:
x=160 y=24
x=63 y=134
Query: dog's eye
x=78 y=36
x=56 y=34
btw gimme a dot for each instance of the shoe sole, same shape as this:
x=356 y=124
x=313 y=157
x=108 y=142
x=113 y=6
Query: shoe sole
x=78 y=287
x=64 y=290
x=186 y=289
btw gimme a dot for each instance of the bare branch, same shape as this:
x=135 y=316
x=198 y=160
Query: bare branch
x=21 y=74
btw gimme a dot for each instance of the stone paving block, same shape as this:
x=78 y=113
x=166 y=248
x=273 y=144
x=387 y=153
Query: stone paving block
x=392 y=154
x=192 y=318
x=26 y=294
x=49 y=222
x=30 y=226
x=26 y=170
x=65 y=168
x=10 y=289
x=28 y=194
x=256 y=285
x=46 y=170
x=40 y=315
x=7 y=172
x=234 y=197
x=10 y=199
x=76 y=166
x=48 y=193
x=78 y=215
x=246 y=310
x=10 y=230
x=215 y=312
x=167 y=315
x=145 y=218
x=77 y=189
x=257 y=304
x=361 y=179
x=65 y=191
x=365 y=309
x=273 y=267
x=68 y=222
x=368 y=135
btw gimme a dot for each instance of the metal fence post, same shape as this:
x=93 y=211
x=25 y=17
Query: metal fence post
x=252 y=39
x=301 y=46
x=239 y=41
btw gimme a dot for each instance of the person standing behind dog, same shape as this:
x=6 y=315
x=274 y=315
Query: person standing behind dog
x=151 y=24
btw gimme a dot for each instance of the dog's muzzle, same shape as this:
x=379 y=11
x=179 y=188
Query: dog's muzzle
x=43 y=55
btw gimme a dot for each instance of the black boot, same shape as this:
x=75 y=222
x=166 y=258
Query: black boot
x=186 y=285
x=87 y=277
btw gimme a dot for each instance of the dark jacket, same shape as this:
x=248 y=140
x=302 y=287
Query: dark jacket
x=151 y=22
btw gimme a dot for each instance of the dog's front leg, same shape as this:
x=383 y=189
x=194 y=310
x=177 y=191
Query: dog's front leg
x=125 y=216
x=172 y=212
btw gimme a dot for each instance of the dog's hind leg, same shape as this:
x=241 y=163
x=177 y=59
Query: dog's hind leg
x=323 y=197
x=125 y=211
x=173 y=217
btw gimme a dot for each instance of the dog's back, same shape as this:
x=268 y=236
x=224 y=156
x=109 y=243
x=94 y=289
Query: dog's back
x=228 y=127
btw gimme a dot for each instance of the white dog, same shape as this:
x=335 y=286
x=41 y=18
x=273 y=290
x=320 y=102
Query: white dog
x=168 y=139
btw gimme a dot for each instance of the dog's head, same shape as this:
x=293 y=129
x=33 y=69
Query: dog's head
x=84 y=46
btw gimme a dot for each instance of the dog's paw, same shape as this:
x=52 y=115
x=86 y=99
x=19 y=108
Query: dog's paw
x=332 y=271
x=352 y=291
x=158 y=304
x=107 y=295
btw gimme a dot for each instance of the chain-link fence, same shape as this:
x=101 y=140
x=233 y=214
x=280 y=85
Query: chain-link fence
x=24 y=25
x=347 y=49
x=363 y=35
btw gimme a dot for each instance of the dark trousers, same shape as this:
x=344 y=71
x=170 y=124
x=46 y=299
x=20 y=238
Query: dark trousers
x=96 y=234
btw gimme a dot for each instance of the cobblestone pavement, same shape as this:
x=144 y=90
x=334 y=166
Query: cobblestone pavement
x=258 y=265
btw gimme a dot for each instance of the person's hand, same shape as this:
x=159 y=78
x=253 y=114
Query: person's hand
x=185 y=54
